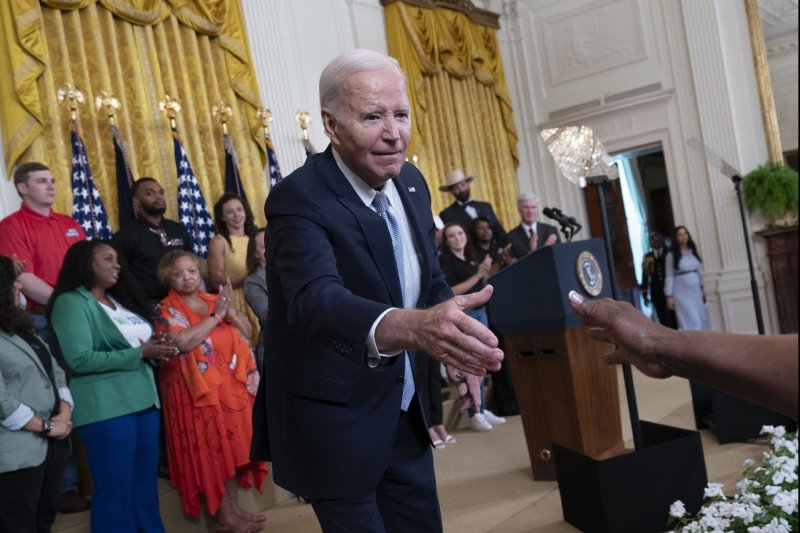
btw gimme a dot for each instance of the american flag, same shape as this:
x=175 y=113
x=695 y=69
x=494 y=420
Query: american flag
x=87 y=206
x=233 y=181
x=272 y=159
x=192 y=210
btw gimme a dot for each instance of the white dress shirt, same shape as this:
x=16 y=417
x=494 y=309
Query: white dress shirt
x=411 y=265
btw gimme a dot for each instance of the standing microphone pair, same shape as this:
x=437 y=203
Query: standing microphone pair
x=569 y=226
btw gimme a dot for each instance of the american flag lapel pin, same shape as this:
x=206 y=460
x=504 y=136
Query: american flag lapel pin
x=412 y=189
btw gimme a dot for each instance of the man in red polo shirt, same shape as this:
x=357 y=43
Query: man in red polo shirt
x=36 y=234
x=41 y=237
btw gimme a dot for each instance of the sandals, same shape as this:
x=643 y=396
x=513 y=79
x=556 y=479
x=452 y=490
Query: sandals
x=438 y=444
x=449 y=439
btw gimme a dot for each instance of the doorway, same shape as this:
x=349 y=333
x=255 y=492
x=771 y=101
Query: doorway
x=638 y=203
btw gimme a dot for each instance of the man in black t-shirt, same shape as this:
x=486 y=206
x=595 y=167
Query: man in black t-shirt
x=143 y=242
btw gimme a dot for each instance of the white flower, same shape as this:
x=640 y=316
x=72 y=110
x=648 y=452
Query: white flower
x=743 y=511
x=748 y=463
x=786 y=502
x=677 y=509
x=714 y=490
x=779 y=477
x=767 y=490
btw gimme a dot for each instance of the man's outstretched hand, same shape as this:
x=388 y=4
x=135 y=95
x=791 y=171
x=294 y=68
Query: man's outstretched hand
x=446 y=333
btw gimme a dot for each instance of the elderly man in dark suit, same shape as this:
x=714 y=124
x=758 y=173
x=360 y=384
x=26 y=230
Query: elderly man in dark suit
x=355 y=289
x=464 y=210
x=531 y=234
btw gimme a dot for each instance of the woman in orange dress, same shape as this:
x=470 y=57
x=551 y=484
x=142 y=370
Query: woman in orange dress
x=207 y=395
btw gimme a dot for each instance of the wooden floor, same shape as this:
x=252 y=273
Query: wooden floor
x=484 y=480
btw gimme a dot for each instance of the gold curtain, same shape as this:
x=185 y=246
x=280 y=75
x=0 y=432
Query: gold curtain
x=461 y=111
x=196 y=51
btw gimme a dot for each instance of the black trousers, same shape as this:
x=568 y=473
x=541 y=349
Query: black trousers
x=503 y=394
x=404 y=501
x=429 y=385
x=666 y=316
x=28 y=496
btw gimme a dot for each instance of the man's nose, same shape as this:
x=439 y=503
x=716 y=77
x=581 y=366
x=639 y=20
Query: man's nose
x=391 y=128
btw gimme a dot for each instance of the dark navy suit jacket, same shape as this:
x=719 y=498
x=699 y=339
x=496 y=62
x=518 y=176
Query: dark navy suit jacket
x=455 y=212
x=520 y=242
x=325 y=419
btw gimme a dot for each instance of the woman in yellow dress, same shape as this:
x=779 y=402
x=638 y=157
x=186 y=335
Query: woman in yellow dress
x=227 y=253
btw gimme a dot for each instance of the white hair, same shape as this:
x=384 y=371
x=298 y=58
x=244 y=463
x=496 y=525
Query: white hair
x=524 y=197
x=334 y=76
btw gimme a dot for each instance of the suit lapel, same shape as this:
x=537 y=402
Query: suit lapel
x=414 y=216
x=23 y=346
x=372 y=225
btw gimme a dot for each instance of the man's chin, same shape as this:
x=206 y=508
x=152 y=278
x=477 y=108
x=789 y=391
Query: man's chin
x=154 y=211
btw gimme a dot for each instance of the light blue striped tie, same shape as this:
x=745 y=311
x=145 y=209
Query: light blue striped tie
x=381 y=205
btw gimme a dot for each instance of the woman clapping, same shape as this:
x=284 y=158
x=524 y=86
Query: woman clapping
x=208 y=394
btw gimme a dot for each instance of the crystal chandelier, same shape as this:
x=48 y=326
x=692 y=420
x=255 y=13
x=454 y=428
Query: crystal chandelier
x=578 y=153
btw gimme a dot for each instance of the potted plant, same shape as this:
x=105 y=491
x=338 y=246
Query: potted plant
x=771 y=189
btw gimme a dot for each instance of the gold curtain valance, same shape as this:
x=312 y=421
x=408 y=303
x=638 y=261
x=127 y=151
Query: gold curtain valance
x=23 y=61
x=461 y=110
x=196 y=51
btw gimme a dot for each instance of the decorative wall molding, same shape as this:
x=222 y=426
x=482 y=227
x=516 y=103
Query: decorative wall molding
x=475 y=14
x=581 y=42
x=786 y=44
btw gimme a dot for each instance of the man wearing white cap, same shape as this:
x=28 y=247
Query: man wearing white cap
x=464 y=210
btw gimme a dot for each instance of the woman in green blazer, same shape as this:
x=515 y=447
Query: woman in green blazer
x=110 y=347
x=35 y=416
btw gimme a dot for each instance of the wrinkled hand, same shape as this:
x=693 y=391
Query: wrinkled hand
x=64 y=412
x=485 y=268
x=458 y=340
x=469 y=388
x=506 y=257
x=19 y=265
x=224 y=298
x=61 y=428
x=159 y=346
x=231 y=315
x=551 y=240
x=253 y=379
x=636 y=338
x=534 y=242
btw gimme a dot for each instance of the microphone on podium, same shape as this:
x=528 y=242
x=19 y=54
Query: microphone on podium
x=569 y=225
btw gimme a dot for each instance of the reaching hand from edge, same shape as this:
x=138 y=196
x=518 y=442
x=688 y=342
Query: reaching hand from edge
x=636 y=338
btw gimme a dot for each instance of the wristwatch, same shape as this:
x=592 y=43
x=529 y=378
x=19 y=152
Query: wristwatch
x=47 y=427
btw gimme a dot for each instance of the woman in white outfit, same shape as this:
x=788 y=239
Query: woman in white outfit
x=683 y=285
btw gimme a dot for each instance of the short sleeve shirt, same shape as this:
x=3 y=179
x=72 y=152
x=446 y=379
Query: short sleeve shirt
x=41 y=241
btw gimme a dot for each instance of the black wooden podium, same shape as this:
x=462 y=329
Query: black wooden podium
x=566 y=394
x=569 y=401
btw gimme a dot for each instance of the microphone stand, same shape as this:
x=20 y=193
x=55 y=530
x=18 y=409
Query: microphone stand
x=627 y=375
x=566 y=229
x=737 y=184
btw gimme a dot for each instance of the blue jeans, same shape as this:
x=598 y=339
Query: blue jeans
x=123 y=459
x=480 y=315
